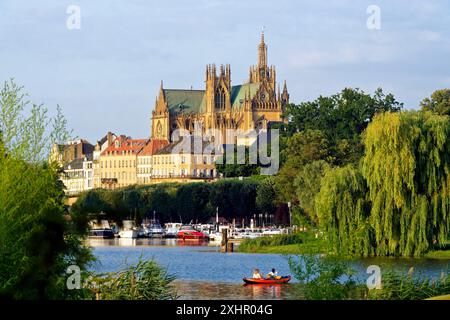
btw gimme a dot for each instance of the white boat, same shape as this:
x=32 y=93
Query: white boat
x=271 y=232
x=153 y=230
x=171 y=229
x=128 y=230
x=215 y=236
x=130 y=234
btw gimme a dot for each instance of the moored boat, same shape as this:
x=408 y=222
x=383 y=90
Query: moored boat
x=285 y=279
x=187 y=232
x=101 y=233
x=171 y=229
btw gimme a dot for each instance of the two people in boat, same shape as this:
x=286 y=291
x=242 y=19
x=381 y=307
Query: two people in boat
x=271 y=275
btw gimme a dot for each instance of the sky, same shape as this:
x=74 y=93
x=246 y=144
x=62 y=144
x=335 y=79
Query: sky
x=106 y=74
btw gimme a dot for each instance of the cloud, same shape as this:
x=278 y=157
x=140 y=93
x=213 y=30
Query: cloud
x=427 y=36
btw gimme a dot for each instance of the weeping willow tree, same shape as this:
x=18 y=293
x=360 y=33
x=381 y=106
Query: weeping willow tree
x=406 y=166
x=344 y=211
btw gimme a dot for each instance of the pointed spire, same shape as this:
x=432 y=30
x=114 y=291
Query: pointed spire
x=161 y=86
x=262 y=52
x=262 y=34
x=284 y=87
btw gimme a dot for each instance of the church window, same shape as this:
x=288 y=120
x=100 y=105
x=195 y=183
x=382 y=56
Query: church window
x=220 y=98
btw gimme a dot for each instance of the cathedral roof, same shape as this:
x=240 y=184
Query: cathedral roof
x=238 y=93
x=193 y=101
x=196 y=146
x=185 y=101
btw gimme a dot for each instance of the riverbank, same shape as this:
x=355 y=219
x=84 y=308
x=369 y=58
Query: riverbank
x=308 y=245
x=300 y=243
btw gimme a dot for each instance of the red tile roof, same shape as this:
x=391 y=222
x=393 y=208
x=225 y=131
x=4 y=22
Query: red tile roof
x=125 y=144
x=152 y=146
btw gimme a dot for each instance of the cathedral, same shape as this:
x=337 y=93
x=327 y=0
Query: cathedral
x=221 y=106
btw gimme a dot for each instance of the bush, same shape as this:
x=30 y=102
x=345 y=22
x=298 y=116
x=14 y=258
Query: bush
x=323 y=278
x=144 y=281
x=398 y=286
x=250 y=245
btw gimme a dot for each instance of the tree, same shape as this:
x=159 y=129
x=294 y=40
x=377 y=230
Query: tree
x=38 y=241
x=407 y=168
x=241 y=166
x=398 y=202
x=341 y=118
x=343 y=211
x=307 y=184
x=266 y=195
x=439 y=102
x=302 y=148
x=192 y=201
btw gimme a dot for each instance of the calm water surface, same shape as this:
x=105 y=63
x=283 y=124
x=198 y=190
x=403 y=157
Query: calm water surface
x=203 y=272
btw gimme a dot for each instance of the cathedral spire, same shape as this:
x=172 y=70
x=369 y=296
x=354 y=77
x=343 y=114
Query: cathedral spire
x=262 y=52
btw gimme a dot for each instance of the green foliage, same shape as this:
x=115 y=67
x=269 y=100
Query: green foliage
x=240 y=167
x=343 y=211
x=194 y=202
x=307 y=184
x=175 y=202
x=144 y=281
x=340 y=116
x=323 y=278
x=266 y=195
x=300 y=242
x=439 y=102
x=407 y=166
x=276 y=240
x=398 y=202
x=38 y=240
x=302 y=148
x=399 y=286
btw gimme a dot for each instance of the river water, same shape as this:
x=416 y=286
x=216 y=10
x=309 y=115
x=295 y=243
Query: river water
x=203 y=272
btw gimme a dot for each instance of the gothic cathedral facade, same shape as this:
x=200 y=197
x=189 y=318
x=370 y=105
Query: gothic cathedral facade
x=221 y=106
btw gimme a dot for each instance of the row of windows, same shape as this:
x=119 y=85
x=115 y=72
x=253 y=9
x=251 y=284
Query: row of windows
x=118 y=164
x=118 y=175
x=156 y=160
x=144 y=170
x=146 y=160
x=115 y=152
x=78 y=174
x=184 y=159
x=199 y=173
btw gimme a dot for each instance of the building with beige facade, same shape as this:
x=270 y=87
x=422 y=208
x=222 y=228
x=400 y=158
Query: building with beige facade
x=144 y=160
x=118 y=162
x=175 y=163
x=101 y=146
x=77 y=176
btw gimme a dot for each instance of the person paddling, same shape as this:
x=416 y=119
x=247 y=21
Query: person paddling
x=256 y=274
x=272 y=274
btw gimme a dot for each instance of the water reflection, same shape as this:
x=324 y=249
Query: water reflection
x=198 y=290
x=203 y=272
x=155 y=242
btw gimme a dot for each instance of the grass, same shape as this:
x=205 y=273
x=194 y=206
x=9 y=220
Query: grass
x=305 y=243
x=299 y=243
x=438 y=254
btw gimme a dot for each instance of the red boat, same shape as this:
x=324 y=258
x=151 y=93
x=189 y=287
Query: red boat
x=189 y=233
x=267 y=281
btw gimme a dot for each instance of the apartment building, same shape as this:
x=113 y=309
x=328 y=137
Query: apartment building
x=118 y=162
x=144 y=160
x=195 y=163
